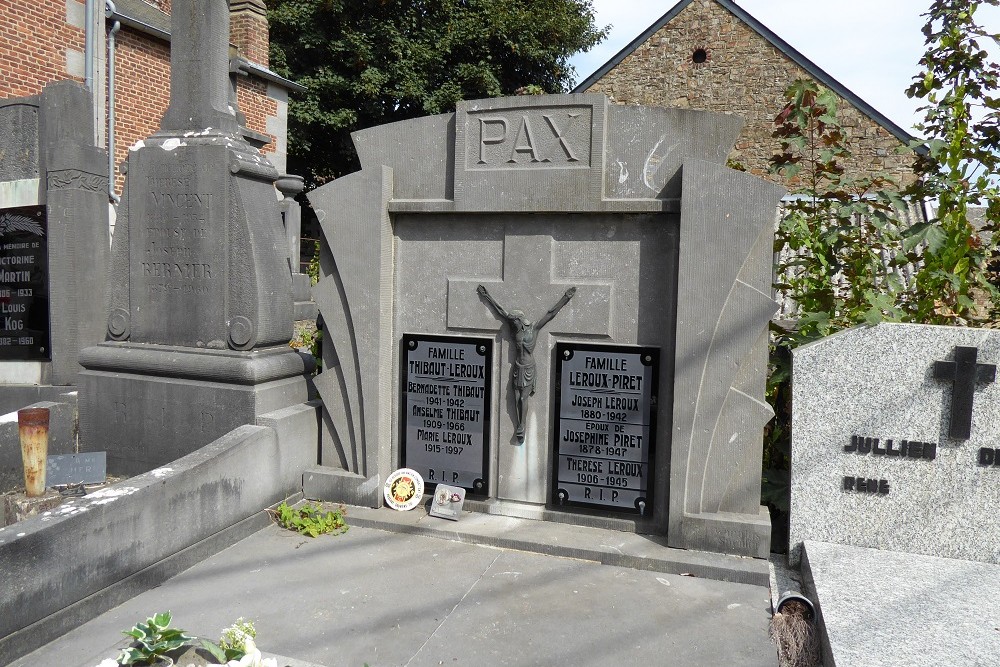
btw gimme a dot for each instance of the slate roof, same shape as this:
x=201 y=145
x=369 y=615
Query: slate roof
x=784 y=47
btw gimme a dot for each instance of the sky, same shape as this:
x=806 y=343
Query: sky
x=870 y=46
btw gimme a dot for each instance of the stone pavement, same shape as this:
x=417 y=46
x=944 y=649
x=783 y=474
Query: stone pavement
x=384 y=598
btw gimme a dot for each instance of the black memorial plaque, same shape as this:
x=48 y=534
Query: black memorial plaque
x=446 y=409
x=605 y=426
x=24 y=285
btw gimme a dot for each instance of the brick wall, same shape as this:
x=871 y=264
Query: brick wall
x=256 y=106
x=36 y=39
x=743 y=74
x=142 y=90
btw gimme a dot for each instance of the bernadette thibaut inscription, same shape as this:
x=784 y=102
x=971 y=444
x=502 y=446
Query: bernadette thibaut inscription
x=24 y=285
x=446 y=404
x=605 y=428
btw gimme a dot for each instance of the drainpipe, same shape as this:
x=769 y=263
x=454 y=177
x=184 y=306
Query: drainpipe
x=88 y=55
x=109 y=12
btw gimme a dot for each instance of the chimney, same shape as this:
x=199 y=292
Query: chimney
x=248 y=29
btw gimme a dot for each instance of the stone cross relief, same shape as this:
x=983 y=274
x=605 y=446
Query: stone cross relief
x=528 y=269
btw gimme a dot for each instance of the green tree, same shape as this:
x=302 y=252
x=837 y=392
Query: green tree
x=962 y=133
x=368 y=62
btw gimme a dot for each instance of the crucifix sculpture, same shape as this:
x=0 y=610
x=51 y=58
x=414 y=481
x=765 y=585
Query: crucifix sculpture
x=525 y=334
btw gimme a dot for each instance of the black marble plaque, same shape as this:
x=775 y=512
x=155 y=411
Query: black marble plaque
x=605 y=426
x=446 y=409
x=24 y=284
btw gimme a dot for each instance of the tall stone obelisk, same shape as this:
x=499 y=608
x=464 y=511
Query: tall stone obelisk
x=201 y=305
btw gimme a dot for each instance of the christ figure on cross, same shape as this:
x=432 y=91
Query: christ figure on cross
x=525 y=334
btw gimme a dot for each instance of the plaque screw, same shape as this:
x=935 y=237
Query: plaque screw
x=648 y=358
x=562 y=496
x=565 y=354
x=412 y=344
x=482 y=349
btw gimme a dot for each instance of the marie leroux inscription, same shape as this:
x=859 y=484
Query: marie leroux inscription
x=605 y=426
x=446 y=409
x=24 y=284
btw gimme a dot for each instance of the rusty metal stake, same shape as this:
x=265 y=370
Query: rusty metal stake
x=33 y=426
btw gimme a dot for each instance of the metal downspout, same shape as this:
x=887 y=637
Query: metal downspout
x=109 y=12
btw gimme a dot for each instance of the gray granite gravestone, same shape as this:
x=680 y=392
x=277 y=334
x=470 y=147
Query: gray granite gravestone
x=201 y=307
x=54 y=243
x=896 y=441
x=532 y=197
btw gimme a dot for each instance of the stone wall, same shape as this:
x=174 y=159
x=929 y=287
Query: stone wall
x=53 y=53
x=743 y=74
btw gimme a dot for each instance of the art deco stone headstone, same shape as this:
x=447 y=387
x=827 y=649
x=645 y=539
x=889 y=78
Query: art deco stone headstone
x=201 y=307
x=53 y=240
x=532 y=197
x=894 y=441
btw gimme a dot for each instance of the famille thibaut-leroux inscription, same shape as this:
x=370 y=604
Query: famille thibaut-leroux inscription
x=447 y=384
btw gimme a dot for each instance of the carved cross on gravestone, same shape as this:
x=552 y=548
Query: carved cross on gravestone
x=965 y=373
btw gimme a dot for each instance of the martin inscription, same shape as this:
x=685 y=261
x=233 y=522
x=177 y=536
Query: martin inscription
x=24 y=285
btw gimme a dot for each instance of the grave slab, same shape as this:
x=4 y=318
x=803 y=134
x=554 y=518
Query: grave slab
x=896 y=609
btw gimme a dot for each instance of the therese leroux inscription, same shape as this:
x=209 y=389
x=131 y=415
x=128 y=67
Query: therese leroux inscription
x=446 y=409
x=605 y=426
x=24 y=286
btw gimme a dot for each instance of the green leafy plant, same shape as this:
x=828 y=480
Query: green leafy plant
x=841 y=252
x=310 y=520
x=959 y=168
x=153 y=640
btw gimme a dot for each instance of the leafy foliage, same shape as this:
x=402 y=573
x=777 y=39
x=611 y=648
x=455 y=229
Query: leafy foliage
x=153 y=640
x=310 y=520
x=368 y=62
x=962 y=127
x=840 y=252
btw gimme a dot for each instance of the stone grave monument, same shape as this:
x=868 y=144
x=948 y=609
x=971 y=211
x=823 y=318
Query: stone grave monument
x=54 y=243
x=560 y=306
x=895 y=464
x=896 y=441
x=201 y=306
